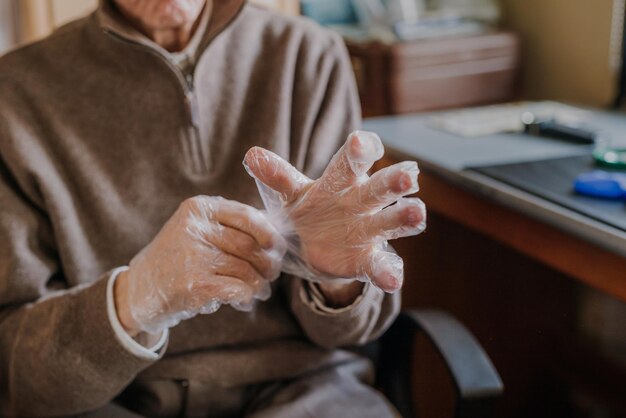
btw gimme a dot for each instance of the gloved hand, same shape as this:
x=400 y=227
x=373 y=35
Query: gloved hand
x=212 y=251
x=338 y=226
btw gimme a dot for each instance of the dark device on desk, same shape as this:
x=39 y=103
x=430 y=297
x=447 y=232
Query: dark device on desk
x=552 y=128
x=552 y=180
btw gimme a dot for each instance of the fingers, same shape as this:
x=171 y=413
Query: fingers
x=252 y=222
x=248 y=246
x=388 y=185
x=276 y=173
x=364 y=149
x=404 y=219
x=244 y=218
x=231 y=266
x=352 y=161
x=241 y=245
x=384 y=269
x=220 y=290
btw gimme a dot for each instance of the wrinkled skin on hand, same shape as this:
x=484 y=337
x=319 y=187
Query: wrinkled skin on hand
x=338 y=226
x=212 y=251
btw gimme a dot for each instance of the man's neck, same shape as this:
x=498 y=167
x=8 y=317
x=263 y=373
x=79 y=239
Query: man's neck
x=170 y=39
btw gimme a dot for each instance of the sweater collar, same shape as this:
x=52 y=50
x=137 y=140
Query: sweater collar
x=222 y=13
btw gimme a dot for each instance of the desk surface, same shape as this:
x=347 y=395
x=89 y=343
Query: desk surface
x=411 y=135
x=535 y=226
x=450 y=156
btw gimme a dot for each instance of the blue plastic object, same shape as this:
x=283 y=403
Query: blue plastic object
x=602 y=184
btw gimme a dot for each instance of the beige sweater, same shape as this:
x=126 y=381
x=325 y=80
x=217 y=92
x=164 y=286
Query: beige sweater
x=100 y=139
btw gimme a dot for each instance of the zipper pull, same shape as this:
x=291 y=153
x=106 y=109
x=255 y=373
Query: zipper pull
x=192 y=108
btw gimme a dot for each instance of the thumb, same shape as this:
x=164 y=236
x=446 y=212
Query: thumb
x=275 y=173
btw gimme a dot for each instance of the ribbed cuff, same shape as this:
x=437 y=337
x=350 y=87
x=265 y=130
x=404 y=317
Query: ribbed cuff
x=311 y=295
x=148 y=353
x=330 y=328
x=317 y=307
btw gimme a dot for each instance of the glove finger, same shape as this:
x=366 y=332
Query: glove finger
x=241 y=296
x=229 y=265
x=384 y=269
x=222 y=289
x=388 y=185
x=361 y=150
x=404 y=219
x=243 y=246
x=238 y=216
x=274 y=172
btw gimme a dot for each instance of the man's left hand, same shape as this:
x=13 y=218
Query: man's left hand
x=342 y=221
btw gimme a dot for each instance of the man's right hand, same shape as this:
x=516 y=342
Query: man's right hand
x=212 y=251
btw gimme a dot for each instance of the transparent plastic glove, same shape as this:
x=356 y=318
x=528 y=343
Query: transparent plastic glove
x=212 y=251
x=338 y=226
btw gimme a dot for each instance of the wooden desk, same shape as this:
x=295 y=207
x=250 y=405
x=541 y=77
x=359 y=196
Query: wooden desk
x=582 y=248
x=512 y=266
x=569 y=254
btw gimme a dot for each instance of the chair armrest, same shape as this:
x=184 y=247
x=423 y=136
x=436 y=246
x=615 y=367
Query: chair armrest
x=475 y=378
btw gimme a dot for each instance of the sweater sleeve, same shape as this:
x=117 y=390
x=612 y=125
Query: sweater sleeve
x=59 y=354
x=363 y=321
x=326 y=110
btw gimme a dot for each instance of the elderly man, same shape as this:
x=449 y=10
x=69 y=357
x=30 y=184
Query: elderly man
x=114 y=295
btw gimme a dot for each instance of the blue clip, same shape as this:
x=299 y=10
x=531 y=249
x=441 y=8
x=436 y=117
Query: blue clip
x=602 y=184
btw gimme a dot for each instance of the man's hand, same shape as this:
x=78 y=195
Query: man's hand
x=212 y=251
x=340 y=223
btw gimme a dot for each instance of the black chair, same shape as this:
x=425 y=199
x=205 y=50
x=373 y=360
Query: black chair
x=476 y=380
